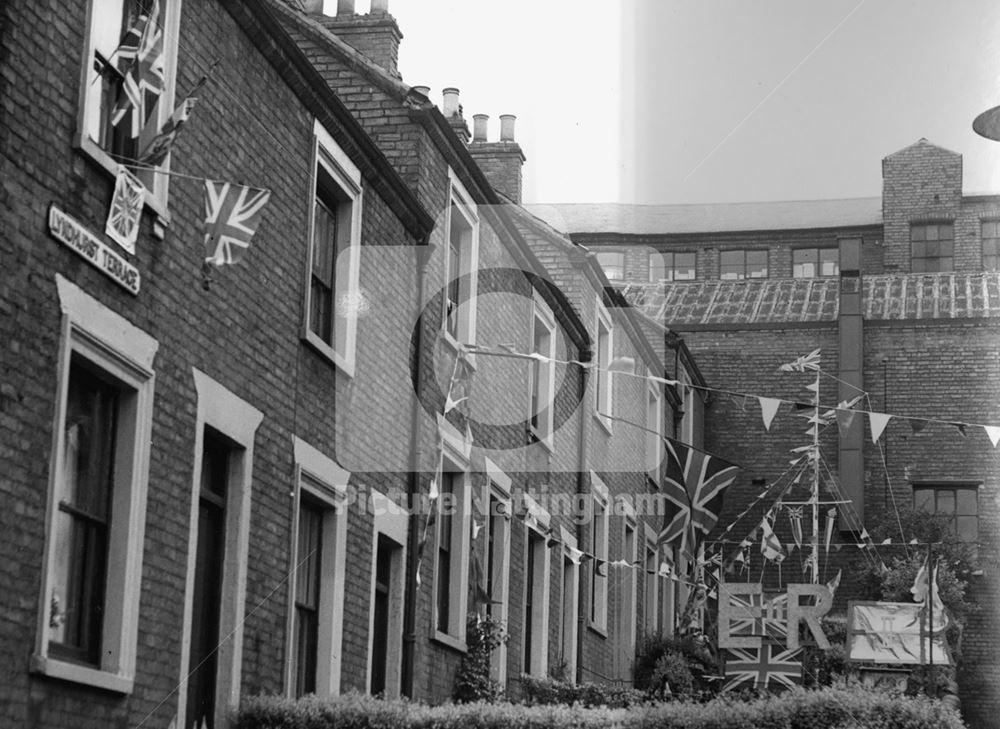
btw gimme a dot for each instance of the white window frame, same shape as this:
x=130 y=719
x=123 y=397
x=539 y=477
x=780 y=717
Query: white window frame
x=498 y=486
x=654 y=427
x=651 y=585
x=570 y=612
x=344 y=324
x=456 y=460
x=537 y=521
x=391 y=521
x=668 y=598
x=323 y=479
x=627 y=623
x=89 y=95
x=461 y=201
x=236 y=419
x=598 y=618
x=604 y=353
x=543 y=317
x=687 y=394
x=124 y=353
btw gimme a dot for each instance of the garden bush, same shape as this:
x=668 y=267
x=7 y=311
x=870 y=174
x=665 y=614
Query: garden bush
x=545 y=691
x=675 y=666
x=828 y=708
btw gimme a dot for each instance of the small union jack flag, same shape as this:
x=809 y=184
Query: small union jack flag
x=805 y=363
x=772 y=666
x=141 y=62
x=232 y=213
x=694 y=482
x=756 y=615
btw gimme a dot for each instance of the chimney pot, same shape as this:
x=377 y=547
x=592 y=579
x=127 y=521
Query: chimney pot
x=380 y=7
x=423 y=90
x=507 y=127
x=345 y=7
x=449 y=107
x=479 y=125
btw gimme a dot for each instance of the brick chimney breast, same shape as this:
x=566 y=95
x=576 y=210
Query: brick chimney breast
x=375 y=35
x=501 y=161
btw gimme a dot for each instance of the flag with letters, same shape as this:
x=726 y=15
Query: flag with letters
x=141 y=62
x=772 y=666
x=694 y=483
x=232 y=213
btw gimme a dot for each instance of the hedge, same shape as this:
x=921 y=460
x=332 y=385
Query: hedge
x=824 y=709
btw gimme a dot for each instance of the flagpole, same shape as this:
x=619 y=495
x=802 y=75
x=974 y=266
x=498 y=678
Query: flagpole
x=931 y=577
x=814 y=557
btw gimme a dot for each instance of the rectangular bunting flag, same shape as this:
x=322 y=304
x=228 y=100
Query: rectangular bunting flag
x=232 y=213
x=694 y=484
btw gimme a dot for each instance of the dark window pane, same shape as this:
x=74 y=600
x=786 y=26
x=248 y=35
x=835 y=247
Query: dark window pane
x=946 y=231
x=967 y=528
x=923 y=500
x=945 y=501
x=967 y=501
x=918 y=233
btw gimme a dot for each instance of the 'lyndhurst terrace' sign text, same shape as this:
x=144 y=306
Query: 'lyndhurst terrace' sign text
x=71 y=233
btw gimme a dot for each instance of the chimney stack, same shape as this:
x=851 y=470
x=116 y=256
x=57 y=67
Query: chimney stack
x=375 y=35
x=501 y=161
x=452 y=111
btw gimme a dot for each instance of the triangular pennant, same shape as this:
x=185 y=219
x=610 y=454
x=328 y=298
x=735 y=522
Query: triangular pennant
x=914 y=541
x=575 y=554
x=768 y=408
x=878 y=421
x=994 y=433
x=450 y=404
x=845 y=419
x=886 y=541
x=961 y=429
x=916 y=425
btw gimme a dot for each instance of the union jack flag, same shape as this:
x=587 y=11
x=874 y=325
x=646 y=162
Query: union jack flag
x=772 y=666
x=759 y=616
x=693 y=483
x=232 y=213
x=805 y=363
x=141 y=60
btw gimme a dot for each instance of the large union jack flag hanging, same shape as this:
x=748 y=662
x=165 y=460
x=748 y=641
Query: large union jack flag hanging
x=693 y=483
x=141 y=60
x=232 y=213
x=772 y=666
x=758 y=615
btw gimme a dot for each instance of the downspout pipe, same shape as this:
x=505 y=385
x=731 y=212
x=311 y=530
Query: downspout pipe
x=584 y=532
x=418 y=362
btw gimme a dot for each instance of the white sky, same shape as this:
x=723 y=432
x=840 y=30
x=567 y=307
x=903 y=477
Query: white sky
x=663 y=101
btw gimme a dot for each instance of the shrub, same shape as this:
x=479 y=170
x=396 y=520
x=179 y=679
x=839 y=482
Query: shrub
x=653 y=670
x=823 y=709
x=483 y=635
x=548 y=691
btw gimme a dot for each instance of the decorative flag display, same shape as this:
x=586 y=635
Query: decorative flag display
x=694 y=484
x=878 y=421
x=232 y=213
x=807 y=362
x=994 y=434
x=754 y=614
x=773 y=666
x=155 y=149
x=126 y=210
x=895 y=633
x=768 y=408
x=795 y=518
x=770 y=545
x=142 y=69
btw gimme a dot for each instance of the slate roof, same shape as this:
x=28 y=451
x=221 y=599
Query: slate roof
x=783 y=301
x=710 y=218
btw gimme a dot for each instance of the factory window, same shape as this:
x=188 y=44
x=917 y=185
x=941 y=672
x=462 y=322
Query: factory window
x=991 y=245
x=959 y=503
x=815 y=262
x=742 y=264
x=613 y=263
x=932 y=247
x=671 y=266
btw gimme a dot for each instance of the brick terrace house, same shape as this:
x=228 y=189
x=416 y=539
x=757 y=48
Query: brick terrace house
x=219 y=486
x=902 y=295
